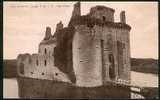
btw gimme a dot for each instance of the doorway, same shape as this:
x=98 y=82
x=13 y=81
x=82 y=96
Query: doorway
x=111 y=67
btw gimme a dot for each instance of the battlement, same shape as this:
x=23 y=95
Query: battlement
x=91 y=21
x=103 y=13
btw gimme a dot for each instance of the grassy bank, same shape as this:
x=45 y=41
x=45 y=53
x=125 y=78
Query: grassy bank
x=144 y=65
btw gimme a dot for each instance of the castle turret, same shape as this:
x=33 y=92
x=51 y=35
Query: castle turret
x=76 y=10
x=122 y=17
x=103 y=13
x=59 y=26
x=48 y=33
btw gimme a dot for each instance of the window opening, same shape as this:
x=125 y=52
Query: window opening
x=45 y=62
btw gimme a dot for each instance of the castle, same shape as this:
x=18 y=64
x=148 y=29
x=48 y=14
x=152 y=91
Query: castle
x=91 y=51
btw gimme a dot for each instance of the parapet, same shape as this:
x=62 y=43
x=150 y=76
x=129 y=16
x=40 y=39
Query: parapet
x=91 y=21
x=99 y=8
x=103 y=13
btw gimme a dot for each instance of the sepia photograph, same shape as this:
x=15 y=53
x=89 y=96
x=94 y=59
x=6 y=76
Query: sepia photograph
x=80 y=49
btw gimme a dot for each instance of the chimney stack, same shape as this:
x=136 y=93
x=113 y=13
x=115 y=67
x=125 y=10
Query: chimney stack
x=122 y=17
x=48 y=33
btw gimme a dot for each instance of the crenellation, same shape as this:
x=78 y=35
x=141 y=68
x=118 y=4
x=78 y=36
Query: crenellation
x=91 y=51
x=103 y=13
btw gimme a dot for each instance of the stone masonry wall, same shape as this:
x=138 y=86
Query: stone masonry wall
x=108 y=35
x=103 y=13
x=122 y=36
x=87 y=57
x=41 y=65
x=49 y=49
x=37 y=88
x=92 y=48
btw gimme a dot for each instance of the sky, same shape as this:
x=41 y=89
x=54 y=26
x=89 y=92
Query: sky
x=24 y=24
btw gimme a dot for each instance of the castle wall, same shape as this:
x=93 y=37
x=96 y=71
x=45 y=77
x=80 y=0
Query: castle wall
x=99 y=52
x=87 y=57
x=109 y=38
x=92 y=51
x=123 y=37
x=37 y=88
x=49 y=49
x=121 y=61
x=103 y=13
x=41 y=67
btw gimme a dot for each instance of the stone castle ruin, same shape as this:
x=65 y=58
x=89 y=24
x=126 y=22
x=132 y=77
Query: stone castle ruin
x=91 y=51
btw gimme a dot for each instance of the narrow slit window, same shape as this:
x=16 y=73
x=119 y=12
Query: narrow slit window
x=21 y=68
x=45 y=63
x=110 y=58
x=45 y=51
x=104 y=18
x=37 y=62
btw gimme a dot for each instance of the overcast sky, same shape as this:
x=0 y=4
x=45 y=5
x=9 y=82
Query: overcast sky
x=25 y=23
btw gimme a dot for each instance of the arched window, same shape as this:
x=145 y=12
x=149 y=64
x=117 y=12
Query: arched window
x=45 y=62
x=45 y=51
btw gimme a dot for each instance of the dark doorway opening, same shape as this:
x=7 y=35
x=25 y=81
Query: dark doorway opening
x=45 y=51
x=37 y=62
x=45 y=63
x=111 y=67
x=120 y=58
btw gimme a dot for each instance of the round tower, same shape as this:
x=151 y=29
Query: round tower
x=87 y=57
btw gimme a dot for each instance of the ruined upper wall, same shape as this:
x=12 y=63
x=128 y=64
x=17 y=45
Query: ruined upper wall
x=103 y=13
x=91 y=21
x=39 y=66
x=76 y=10
x=48 y=34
